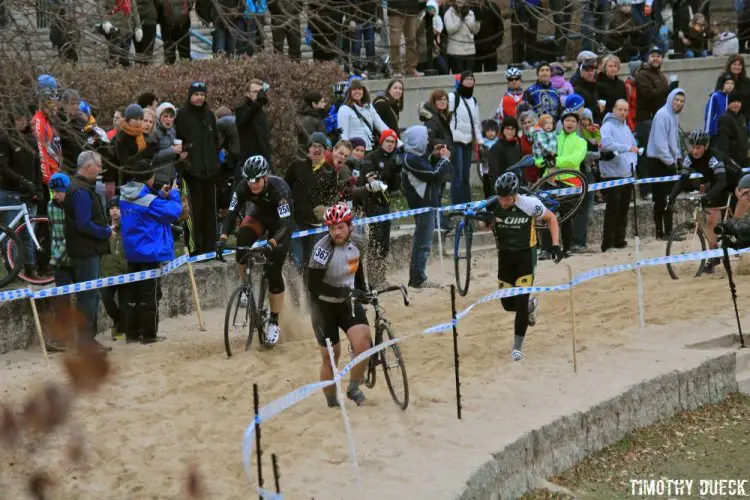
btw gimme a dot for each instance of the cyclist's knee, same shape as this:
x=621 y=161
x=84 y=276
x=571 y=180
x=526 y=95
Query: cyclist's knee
x=275 y=281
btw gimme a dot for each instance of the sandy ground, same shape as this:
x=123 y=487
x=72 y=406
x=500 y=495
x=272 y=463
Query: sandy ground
x=183 y=402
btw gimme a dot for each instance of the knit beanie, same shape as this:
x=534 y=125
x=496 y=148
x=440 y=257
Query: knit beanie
x=133 y=112
x=734 y=97
x=386 y=134
x=319 y=138
x=509 y=121
x=466 y=74
x=570 y=112
x=358 y=141
x=141 y=171
x=196 y=87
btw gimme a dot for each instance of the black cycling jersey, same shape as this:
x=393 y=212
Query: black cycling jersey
x=515 y=227
x=721 y=175
x=273 y=207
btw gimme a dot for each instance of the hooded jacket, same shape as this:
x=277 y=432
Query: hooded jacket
x=652 y=86
x=309 y=121
x=422 y=175
x=664 y=138
x=461 y=31
x=466 y=122
x=715 y=107
x=617 y=138
x=253 y=129
x=384 y=167
x=543 y=99
x=146 y=223
x=164 y=139
x=590 y=93
x=196 y=127
x=439 y=129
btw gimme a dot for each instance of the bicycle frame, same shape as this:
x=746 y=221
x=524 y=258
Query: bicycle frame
x=23 y=213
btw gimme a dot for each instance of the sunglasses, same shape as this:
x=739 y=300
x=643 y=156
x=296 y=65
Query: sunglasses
x=515 y=79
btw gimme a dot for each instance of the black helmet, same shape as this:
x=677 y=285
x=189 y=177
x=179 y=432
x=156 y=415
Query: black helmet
x=255 y=167
x=698 y=138
x=507 y=184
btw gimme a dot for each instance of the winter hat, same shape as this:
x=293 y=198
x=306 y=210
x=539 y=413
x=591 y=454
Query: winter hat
x=574 y=102
x=588 y=114
x=388 y=133
x=319 y=138
x=586 y=55
x=312 y=97
x=509 y=121
x=588 y=64
x=744 y=182
x=133 y=112
x=734 y=97
x=557 y=69
x=196 y=87
x=570 y=112
x=357 y=142
x=141 y=171
x=655 y=49
x=163 y=107
x=356 y=83
x=466 y=74
x=70 y=96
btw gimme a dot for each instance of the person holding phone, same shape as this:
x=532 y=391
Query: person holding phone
x=146 y=218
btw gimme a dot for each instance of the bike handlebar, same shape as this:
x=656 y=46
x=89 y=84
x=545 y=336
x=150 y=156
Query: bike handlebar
x=393 y=288
x=469 y=214
x=251 y=250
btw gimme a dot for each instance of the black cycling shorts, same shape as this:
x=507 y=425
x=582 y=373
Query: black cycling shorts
x=249 y=232
x=721 y=200
x=328 y=317
x=516 y=269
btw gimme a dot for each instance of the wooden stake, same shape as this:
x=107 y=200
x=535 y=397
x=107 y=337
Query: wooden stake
x=38 y=325
x=572 y=317
x=197 y=299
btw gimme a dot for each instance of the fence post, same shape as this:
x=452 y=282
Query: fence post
x=344 y=416
x=197 y=299
x=440 y=241
x=38 y=325
x=276 y=473
x=258 y=451
x=572 y=317
x=455 y=351
x=638 y=273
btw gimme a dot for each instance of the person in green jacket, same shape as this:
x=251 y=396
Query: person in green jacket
x=114 y=264
x=571 y=151
x=121 y=26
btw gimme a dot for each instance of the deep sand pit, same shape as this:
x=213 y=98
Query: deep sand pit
x=181 y=402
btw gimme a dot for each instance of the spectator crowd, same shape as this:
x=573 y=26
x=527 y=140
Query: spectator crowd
x=119 y=199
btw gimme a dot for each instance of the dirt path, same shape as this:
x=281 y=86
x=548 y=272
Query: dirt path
x=181 y=401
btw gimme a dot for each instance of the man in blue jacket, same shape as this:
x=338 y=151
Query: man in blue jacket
x=147 y=239
x=421 y=177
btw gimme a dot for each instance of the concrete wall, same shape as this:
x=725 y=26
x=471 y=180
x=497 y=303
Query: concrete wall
x=697 y=77
x=559 y=445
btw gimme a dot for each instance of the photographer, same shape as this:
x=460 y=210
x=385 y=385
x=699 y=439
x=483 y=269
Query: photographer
x=252 y=123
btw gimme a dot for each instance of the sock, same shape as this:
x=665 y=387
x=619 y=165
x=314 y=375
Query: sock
x=331 y=400
x=353 y=386
x=517 y=342
x=274 y=319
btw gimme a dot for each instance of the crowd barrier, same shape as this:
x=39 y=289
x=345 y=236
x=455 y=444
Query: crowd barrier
x=171 y=266
x=292 y=398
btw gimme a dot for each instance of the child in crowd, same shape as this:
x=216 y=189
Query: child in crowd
x=545 y=142
x=490 y=132
x=169 y=152
x=559 y=83
x=717 y=105
x=696 y=38
x=59 y=261
x=114 y=264
x=513 y=95
x=590 y=130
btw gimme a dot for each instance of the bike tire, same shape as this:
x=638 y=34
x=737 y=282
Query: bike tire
x=9 y=271
x=262 y=311
x=463 y=234
x=391 y=373
x=568 y=204
x=42 y=280
x=235 y=310
x=684 y=230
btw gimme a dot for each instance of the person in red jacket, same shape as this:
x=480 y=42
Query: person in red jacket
x=47 y=138
x=513 y=96
x=631 y=94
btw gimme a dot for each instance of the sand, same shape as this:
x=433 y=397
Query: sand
x=182 y=402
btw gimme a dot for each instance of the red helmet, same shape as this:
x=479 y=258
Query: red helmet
x=337 y=214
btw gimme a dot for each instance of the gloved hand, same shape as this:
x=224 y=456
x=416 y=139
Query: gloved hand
x=670 y=205
x=138 y=35
x=107 y=27
x=268 y=247
x=220 y=246
x=705 y=201
x=377 y=186
x=558 y=253
x=360 y=295
x=262 y=98
x=29 y=187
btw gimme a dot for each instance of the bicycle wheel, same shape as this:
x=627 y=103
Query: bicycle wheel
x=462 y=256
x=686 y=238
x=563 y=205
x=237 y=321
x=373 y=362
x=41 y=230
x=261 y=310
x=395 y=370
x=9 y=269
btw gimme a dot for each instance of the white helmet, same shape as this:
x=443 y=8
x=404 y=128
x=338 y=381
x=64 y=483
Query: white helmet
x=513 y=72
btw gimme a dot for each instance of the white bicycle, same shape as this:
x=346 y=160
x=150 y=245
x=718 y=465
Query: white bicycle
x=23 y=226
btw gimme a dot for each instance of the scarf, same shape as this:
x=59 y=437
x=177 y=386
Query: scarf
x=137 y=134
x=90 y=124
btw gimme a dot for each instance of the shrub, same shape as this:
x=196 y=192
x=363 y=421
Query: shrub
x=108 y=89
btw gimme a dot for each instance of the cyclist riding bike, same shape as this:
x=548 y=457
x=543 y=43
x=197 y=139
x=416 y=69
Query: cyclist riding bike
x=512 y=218
x=270 y=212
x=337 y=282
x=719 y=173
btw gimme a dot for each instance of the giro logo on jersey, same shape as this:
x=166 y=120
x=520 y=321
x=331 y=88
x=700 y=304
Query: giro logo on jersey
x=233 y=203
x=513 y=221
x=321 y=256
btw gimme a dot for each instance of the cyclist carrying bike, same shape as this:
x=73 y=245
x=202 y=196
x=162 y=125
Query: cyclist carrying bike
x=512 y=218
x=720 y=173
x=270 y=212
x=337 y=282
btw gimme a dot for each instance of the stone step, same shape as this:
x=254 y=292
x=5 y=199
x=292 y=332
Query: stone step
x=743 y=382
x=743 y=361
